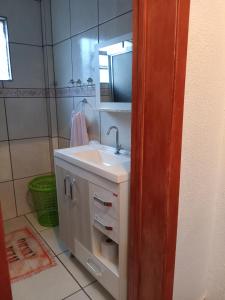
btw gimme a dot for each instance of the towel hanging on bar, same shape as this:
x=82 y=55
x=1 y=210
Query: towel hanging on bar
x=79 y=135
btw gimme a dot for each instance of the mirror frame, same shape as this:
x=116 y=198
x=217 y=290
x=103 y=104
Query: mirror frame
x=109 y=106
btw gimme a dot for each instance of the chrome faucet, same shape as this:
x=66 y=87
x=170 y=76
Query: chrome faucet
x=118 y=146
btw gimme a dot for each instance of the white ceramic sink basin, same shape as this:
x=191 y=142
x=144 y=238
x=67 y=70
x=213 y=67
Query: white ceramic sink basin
x=102 y=157
x=98 y=159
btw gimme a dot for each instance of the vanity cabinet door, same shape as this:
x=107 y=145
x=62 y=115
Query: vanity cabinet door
x=62 y=182
x=74 y=210
x=67 y=206
x=80 y=212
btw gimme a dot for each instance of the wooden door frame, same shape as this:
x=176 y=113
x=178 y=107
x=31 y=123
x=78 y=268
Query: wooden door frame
x=159 y=67
x=160 y=46
x=5 y=287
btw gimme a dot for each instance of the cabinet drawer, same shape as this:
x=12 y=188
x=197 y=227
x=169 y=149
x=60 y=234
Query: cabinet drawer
x=107 y=225
x=104 y=275
x=105 y=201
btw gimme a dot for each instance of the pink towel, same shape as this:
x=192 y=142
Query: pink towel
x=79 y=134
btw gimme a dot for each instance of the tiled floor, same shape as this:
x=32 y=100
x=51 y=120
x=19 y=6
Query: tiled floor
x=68 y=280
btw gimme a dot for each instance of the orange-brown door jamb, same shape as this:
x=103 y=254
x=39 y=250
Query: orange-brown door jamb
x=159 y=62
x=5 y=288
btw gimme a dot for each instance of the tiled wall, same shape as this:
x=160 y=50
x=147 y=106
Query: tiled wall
x=24 y=109
x=34 y=117
x=77 y=27
x=49 y=73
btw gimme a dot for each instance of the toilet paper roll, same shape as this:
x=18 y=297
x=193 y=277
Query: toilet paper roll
x=109 y=250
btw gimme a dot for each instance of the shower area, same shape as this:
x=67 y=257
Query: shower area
x=28 y=126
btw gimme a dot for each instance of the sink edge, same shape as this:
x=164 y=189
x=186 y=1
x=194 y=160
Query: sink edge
x=122 y=176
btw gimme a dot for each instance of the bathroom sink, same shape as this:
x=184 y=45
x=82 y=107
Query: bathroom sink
x=98 y=159
x=102 y=157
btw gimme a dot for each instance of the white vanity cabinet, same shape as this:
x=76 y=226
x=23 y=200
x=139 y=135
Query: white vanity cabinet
x=73 y=205
x=93 y=208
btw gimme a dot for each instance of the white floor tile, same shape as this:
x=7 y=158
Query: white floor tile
x=51 y=236
x=77 y=270
x=15 y=224
x=78 y=296
x=53 y=284
x=21 y=222
x=7 y=199
x=97 y=292
x=32 y=217
x=24 y=200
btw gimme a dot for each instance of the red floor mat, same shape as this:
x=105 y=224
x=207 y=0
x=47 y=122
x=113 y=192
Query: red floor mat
x=27 y=254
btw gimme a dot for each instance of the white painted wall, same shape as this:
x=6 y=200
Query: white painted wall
x=200 y=267
x=216 y=274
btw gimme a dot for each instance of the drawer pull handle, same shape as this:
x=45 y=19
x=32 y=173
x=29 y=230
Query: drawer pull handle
x=71 y=191
x=102 y=202
x=101 y=223
x=65 y=185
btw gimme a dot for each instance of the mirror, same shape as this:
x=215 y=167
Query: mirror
x=114 y=74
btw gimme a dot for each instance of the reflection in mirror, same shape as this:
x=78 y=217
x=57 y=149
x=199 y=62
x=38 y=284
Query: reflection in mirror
x=114 y=68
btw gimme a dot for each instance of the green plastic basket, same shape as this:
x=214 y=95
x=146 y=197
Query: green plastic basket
x=43 y=190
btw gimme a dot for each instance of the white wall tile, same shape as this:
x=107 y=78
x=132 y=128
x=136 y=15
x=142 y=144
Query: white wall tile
x=53 y=116
x=111 y=9
x=49 y=66
x=48 y=111
x=30 y=157
x=24 y=20
x=7 y=200
x=64 y=143
x=26 y=117
x=5 y=164
x=60 y=20
x=3 y=126
x=84 y=15
x=83 y=53
x=92 y=117
x=123 y=122
x=23 y=196
x=46 y=22
x=27 y=67
x=64 y=111
x=116 y=27
x=63 y=64
x=55 y=143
